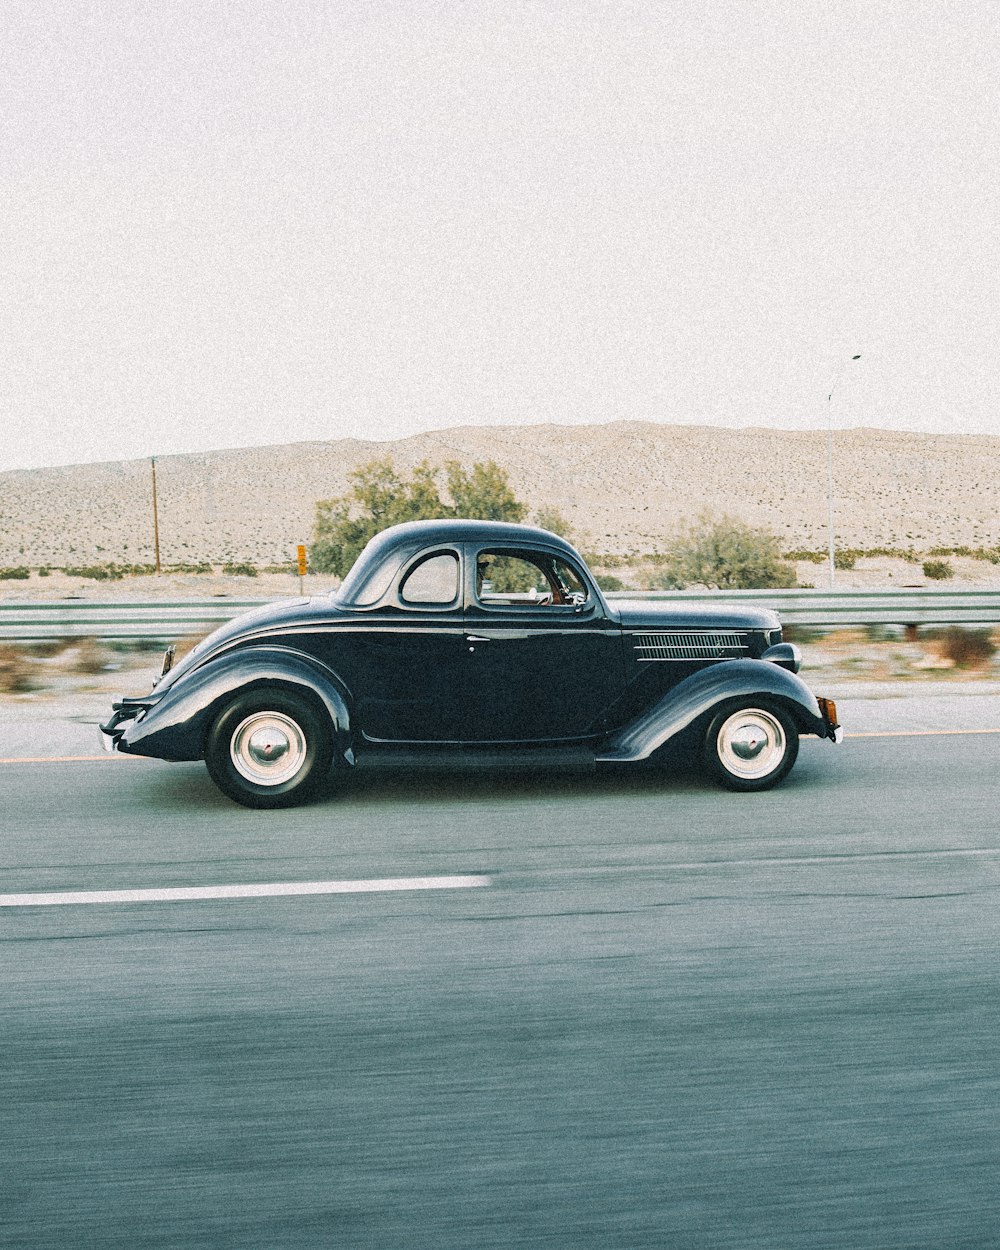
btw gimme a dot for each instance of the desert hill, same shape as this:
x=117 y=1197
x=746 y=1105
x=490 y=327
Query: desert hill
x=622 y=485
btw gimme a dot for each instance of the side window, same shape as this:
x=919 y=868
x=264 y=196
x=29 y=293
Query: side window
x=503 y=576
x=508 y=578
x=433 y=581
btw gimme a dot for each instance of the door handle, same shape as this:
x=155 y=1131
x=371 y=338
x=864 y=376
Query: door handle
x=476 y=638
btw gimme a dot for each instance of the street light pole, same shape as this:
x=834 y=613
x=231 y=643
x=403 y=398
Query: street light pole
x=829 y=467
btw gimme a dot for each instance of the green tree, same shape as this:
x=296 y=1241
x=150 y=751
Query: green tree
x=379 y=497
x=727 y=554
x=482 y=492
x=552 y=519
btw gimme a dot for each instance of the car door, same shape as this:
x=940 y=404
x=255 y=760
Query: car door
x=543 y=661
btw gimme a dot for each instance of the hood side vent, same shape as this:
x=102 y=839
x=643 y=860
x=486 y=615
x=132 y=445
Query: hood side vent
x=704 y=645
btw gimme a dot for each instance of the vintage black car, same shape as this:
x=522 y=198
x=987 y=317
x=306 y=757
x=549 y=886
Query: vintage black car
x=474 y=642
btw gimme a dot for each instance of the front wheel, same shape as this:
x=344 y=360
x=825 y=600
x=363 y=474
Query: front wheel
x=268 y=749
x=751 y=747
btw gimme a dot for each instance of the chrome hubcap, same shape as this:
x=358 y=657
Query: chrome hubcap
x=268 y=748
x=751 y=743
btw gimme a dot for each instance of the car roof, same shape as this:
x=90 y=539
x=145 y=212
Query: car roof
x=463 y=530
x=399 y=541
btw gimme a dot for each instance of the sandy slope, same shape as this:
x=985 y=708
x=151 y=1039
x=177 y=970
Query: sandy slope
x=623 y=486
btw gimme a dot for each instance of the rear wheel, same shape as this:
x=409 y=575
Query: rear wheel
x=269 y=749
x=751 y=746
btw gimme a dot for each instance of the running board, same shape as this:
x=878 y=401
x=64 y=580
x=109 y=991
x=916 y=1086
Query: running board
x=512 y=759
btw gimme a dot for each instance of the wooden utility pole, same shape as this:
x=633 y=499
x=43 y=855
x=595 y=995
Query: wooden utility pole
x=156 y=522
x=829 y=471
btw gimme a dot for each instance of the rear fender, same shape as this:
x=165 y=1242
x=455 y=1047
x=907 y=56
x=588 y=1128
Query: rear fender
x=176 y=726
x=701 y=692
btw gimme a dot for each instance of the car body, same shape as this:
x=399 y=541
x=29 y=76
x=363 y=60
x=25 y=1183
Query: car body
x=474 y=642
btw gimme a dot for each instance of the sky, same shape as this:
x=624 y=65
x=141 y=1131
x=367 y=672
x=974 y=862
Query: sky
x=236 y=223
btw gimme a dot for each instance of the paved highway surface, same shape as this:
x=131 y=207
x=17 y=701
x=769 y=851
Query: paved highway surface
x=674 y=1017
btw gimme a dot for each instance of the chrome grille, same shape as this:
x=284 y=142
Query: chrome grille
x=707 y=645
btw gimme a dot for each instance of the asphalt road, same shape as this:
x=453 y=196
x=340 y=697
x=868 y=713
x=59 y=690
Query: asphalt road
x=674 y=1017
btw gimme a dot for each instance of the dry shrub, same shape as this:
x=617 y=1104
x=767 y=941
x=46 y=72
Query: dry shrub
x=854 y=641
x=967 y=648
x=15 y=670
x=88 y=656
x=726 y=554
x=46 y=648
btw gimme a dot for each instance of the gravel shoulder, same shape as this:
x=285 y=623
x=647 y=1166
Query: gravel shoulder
x=63 y=720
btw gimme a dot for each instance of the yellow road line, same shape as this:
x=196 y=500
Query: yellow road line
x=67 y=759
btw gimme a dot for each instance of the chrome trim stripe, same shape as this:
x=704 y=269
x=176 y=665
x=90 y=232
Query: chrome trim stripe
x=703 y=645
x=457 y=627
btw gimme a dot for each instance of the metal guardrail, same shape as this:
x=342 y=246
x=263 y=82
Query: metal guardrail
x=910 y=606
x=152 y=620
x=168 y=620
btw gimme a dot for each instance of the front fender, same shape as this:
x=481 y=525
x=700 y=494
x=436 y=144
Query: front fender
x=698 y=694
x=176 y=726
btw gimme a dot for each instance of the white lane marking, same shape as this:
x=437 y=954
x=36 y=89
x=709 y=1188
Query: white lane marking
x=846 y=857
x=922 y=733
x=181 y=894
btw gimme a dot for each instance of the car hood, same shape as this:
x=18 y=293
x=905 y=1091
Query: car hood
x=669 y=614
